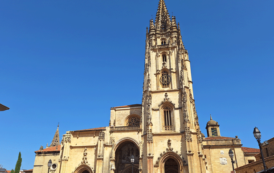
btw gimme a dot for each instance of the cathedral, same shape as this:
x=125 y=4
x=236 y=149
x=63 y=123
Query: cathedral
x=160 y=135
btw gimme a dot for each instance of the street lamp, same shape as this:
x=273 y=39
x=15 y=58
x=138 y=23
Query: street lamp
x=49 y=164
x=231 y=155
x=132 y=161
x=257 y=135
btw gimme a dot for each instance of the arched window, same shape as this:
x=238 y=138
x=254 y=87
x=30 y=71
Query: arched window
x=214 y=132
x=164 y=58
x=163 y=42
x=165 y=79
x=133 y=121
x=167 y=118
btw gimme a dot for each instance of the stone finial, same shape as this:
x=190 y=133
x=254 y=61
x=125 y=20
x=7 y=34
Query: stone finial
x=151 y=24
x=41 y=148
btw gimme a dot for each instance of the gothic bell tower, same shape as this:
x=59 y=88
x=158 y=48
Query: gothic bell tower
x=169 y=119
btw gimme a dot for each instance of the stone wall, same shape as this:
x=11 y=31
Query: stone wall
x=256 y=166
x=268 y=148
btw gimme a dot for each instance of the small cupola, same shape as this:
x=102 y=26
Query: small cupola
x=212 y=128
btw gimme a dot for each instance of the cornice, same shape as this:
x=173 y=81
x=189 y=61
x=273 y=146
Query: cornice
x=166 y=134
x=221 y=146
x=126 y=108
x=164 y=91
x=83 y=146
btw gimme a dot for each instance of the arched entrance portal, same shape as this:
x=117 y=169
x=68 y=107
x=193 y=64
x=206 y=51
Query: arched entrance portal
x=85 y=171
x=123 y=155
x=171 y=166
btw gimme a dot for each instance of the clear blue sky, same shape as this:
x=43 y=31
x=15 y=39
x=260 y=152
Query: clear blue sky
x=69 y=61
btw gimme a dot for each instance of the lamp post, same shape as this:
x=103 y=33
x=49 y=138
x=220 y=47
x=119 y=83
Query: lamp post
x=257 y=135
x=231 y=155
x=49 y=164
x=132 y=161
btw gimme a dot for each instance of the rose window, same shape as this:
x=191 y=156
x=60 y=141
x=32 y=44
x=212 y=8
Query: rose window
x=134 y=122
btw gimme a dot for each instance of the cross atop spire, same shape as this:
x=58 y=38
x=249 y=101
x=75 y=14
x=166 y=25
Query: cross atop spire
x=162 y=16
x=55 y=140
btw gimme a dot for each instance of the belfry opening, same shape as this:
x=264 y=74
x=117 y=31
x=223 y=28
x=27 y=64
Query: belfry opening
x=123 y=158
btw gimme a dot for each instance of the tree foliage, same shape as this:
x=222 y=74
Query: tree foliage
x=12 y=171
x=18 y=164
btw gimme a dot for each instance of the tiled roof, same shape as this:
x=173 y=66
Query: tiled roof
x=217 y=138
x=92 y=129
x=250 y=150
x=134 y=105
x=30 y=170
x=49 y=149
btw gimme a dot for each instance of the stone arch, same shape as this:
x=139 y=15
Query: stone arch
x=170 y=155
x=82 y=168
x=131 y=116
x=168 y=104
x=166 y=101
x=123 y=151
x=125 y=139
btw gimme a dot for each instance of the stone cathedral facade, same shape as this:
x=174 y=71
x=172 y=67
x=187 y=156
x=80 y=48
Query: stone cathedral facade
x=162 y=134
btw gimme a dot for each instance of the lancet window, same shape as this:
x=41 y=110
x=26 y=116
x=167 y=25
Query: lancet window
x=164 y=58
x=167 y=118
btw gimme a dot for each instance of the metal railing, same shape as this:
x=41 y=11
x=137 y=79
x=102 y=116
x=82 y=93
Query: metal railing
x=168 y=128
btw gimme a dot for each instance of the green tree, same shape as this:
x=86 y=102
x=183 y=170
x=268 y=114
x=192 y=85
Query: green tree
x=18 y=164
x=12 y=171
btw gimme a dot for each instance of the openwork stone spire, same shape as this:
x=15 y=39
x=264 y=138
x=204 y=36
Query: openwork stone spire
x=162 y=17
x=55 y=140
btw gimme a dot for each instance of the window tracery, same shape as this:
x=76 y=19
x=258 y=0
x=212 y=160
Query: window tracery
x=165 y=79
x=133 y=122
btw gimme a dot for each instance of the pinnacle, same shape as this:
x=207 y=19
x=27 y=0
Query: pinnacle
x=55 y=140
x=210 y=117
x=162 y=15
